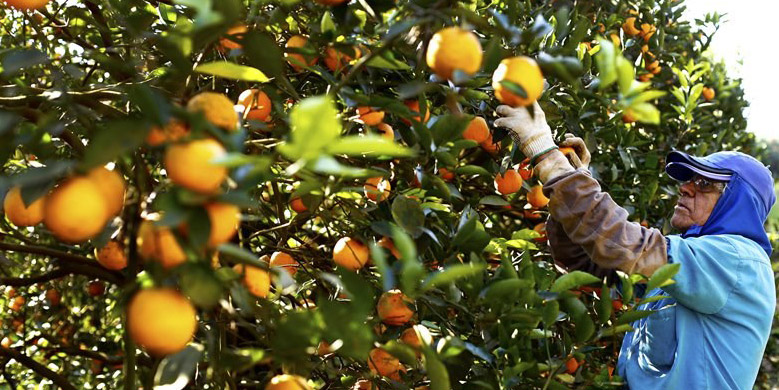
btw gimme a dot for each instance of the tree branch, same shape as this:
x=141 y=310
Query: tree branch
x=38 y=368
x=19 y=282
x=68 y=262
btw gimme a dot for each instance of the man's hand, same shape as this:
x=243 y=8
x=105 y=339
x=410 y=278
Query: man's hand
x=582 y=157
x=532 y=134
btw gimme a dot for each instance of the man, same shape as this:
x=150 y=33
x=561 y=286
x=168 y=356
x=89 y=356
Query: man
x=711 y=330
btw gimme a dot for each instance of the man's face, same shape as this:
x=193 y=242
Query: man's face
x=695 y=203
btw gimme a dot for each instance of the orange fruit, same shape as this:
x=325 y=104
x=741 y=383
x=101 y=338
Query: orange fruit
x=76 y=210
x=256 y=280
x=386 y=131
x=382 y=363
x=350 y=253
x=532 y=214
x=413 y=105
x=386 y=243
x=536 y=197
x=477 y=130
x=393 y=309
x=454 y=48
x=285 y=261
x=112 y=185
x=112 y=256
x=509 y=182
x=369 y=116
x=571 y=365
x=190 y=165
x=19 y=214
x=297 y=41
x=627 y=116
x=377 y=189
x=27 y=4
x=445 y=174
x=629 y=27
x=225 y=219
x=647 y=30
x=362 y=384
x=53 y=296
x=490 y=147
x=644 y=78
x=235 y=32
x=525 y=170
x=336 y=60
x=157 y=243
x=173 y=131
x=287 y=382
x=410 y=338
x=96 y=288
x=257 y=103
x=297 y=205
x=708 y=93
x=216 y=108
x=523 y=71
x=540 y=229
x=10 y=292
x=161 y=320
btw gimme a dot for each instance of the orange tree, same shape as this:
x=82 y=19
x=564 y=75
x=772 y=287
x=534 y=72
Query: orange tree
x=232 y=194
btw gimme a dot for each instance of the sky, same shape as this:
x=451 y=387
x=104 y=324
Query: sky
x=746 y=42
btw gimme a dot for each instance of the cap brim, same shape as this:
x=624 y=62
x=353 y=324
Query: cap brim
x=682 y=167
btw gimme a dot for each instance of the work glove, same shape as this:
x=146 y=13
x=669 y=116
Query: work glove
x=532 y=134
x=581 y=156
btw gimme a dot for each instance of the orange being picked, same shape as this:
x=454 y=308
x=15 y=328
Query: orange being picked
x=383 y=363
x=377 y=189
x=386 y=131
x=161 y=320
x=224 y=218
x=350 y=253
x=509 y=182
x=477 y=130
x=235 y=32
x=19 y=214
x=287 y=382
x=296 y=59
x=190 y=165
x=257 y=103
x=525 y=170
x=157 y=243
x=369 y=116
x=413 y=105
x=76 y=210
x=216 y=108
x=523 y=71
x=536 y=197
x=393 y=308
x=454 y=48
x=112 y=256
x=27 y=5
x=285 y=261
x=173 y=131
x=336 y=59
x=113 y=187
x=256 y=280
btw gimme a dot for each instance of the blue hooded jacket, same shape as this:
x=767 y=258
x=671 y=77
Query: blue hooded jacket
x=712 y=330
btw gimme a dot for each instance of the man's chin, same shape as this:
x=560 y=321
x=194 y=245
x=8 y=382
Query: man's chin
x=680 y=223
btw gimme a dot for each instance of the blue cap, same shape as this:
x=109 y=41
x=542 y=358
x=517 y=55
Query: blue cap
x=722 y=166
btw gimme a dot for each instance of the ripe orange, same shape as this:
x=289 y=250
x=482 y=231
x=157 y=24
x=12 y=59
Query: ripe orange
x=362 y=384
x=644 y=78
x=257 y=102
x=285 y=261
x=369 y=116
x=350 y=253
x=287 y=382
x=393 y=309
x=523 y=71
x=377 y=189
x=336 y=60
x=445 y=174
x=27 y=4
x=647 y=30
x=410 y=338
x=477 y=130
x=224 y=219
x=256 y=280
x=217 y=109
x=112 y=256
x=386 y=131
x=413 y=105
x=112 y=185
x=161 y=320
x=173 y=131
x=17 y=303
x=629 y=27
x=490 y=147
x=189 y=165
x=708 y=93
x=95 y=288
x=454 y=48
x=297 y=205
x=297 y=41
x=235 y=32
x=571 y=365
x=627 y=116
x=509 y=182
x=536 y=197
x=386 y=243
x=540 y=229
x=76 y=210
x=525 y=170
x=158 y=243
x=53 y=296
x=532 y=214
x=382 y=363
x=19 y=214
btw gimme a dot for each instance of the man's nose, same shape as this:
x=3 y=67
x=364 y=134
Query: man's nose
x=687 y=189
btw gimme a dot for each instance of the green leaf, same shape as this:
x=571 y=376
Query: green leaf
x=314 y=126
x=603 y=306
x=452 y=274
x=263 y=53
x=408 y=214
x=176 y=371
x=647 y=96
x=505 y=290
x=114 y=139
x=605 y=59
x=514 y=88
x=402 y=351
x=387 y=60
x=326 y=24
x=633 y=315
x=200 y=284
x=380 y=260
x=625 y=74
x=493 y=200
x=231 y=70
x=614 y=330
x=646 y=113
x=662 y=276
x=468 y=170
x=241 y=255
x=449 y=127
x=572 y=280
x=369 y=145
x=18 y=60
x=436 y=370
